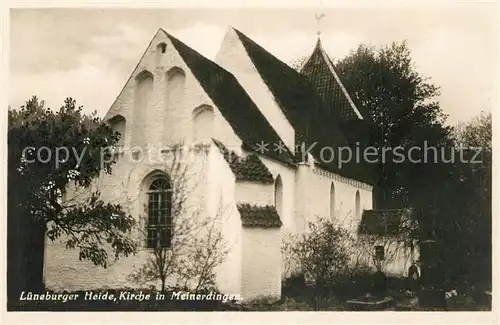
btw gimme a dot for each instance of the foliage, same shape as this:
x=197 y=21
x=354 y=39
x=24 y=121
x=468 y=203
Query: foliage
x=404 y=108
x=465 y=226
x=322 y=253
x=476 y=133
x=37 y=185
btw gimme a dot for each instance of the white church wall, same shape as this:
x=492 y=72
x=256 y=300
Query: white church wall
x=261 y=275
x=254 y=193
x=233 y=57
x=288 y=208
x=301 y=212
x=287 y=174
x=222 y=188
x=317 y=197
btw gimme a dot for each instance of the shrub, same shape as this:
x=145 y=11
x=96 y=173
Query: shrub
x=294 y=284
x=322 y=253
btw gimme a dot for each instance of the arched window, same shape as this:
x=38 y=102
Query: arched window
x=357 y=206
x=203 y=123
x=143 y=102
x=160 y=50
x=332 y=200
x=117 y=124
x=278 y=196
x=159 y=226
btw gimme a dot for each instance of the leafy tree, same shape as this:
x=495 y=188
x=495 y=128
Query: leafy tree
x=403 y=105
x=48 y=153
x=465 y=223
x=476 y=133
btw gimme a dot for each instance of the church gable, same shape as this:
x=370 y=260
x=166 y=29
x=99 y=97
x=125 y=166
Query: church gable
x=234 y=58
x=153 y=57
x=161 y=100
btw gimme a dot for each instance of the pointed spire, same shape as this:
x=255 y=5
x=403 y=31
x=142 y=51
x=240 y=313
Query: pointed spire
x=319 y=45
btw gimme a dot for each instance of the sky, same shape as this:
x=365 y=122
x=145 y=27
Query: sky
x=88 y=54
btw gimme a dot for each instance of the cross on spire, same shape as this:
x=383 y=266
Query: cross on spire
x=318 y=17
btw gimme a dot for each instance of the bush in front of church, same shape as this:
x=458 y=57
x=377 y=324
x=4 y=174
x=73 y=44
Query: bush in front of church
x=322 y=254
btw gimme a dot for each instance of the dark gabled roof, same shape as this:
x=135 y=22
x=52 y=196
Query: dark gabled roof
x=249 y=168
x=311 y=118
x=259 y=216
x=382 y=222
x=294 y=95
x=320 y=71
x=328 y=85
x=235 y=105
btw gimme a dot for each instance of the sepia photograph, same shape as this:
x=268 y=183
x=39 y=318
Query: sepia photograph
x=233 y=159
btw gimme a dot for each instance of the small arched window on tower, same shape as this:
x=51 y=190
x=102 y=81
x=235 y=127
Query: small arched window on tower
x=159 y=226
x=278 y=196
x=332 y=200
x=357 y=206
x=160 y=50
x=203 y=123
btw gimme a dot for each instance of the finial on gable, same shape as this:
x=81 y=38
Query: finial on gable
x=318 y=17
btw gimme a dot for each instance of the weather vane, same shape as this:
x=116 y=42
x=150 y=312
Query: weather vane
x=318 y=19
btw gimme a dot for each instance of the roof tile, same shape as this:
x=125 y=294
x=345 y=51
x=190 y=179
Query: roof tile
x=259 y=216
x=318 y=72
x=249 y=168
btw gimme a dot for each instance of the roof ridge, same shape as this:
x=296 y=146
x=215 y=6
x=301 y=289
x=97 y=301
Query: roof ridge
x=213 y=79
x=108 y=112
x=248 y=39
x=198 y=53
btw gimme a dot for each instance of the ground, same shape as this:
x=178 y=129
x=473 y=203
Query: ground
x=303 y=300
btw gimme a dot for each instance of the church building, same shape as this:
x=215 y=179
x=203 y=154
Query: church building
x=265 y=140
